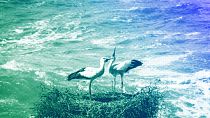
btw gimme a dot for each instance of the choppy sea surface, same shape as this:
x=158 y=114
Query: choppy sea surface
x=42 y=41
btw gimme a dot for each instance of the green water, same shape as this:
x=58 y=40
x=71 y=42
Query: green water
x=41 y=42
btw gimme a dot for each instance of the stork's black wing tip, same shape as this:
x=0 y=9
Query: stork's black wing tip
x=75 y=75
x=69 y=77
x=136 y=63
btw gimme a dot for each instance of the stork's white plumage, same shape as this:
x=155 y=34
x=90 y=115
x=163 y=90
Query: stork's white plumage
x=89 y=73
x=121 y=68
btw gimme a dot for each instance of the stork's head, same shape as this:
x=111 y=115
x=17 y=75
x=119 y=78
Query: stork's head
x=105 y=59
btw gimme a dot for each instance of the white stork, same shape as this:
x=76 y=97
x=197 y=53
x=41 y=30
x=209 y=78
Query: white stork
x=89 y=73
x=121 y=68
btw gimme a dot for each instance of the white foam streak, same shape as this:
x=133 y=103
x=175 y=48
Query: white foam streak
x=127 y=1
x=40 y=74
x=18 y=31
x=8 y=101
x=202 y=74
x=40 y=36
x=12 y=65
x=192 y=106
x=163 y=60
x=104 y=42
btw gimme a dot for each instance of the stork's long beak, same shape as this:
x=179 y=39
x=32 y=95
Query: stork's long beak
x=107 y=59
x=113 y=55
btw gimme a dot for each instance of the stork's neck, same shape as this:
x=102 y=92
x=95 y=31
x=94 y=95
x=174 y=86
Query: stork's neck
x=102 y=64
x=111 y=62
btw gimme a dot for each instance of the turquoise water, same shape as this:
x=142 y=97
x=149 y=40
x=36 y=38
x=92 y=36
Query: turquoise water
x=42 y=41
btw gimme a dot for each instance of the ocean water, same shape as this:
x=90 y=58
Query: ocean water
x=42 y=41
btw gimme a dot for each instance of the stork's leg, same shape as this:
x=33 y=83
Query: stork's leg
x=90 y=87
x=114 y=84
x=121 y=81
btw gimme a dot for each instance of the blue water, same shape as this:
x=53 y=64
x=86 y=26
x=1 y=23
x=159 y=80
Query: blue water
x=42 y=41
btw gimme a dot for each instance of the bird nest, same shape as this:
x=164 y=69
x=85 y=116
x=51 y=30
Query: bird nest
x=55 y=103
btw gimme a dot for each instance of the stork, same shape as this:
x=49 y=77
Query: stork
x=89 y=73
x=121 y=68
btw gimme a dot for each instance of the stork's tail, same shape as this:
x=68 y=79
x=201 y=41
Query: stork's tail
x=134 y=64
x=75 y=75
x=71 y=76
